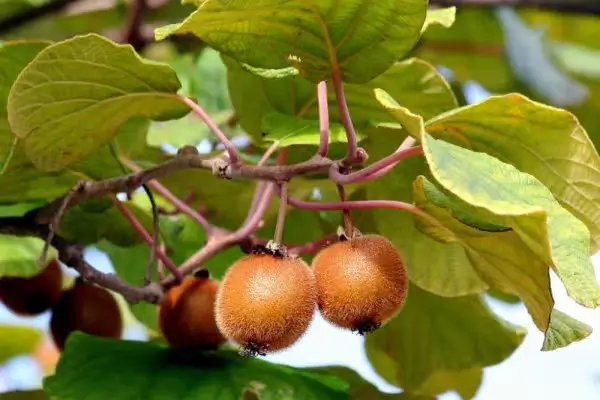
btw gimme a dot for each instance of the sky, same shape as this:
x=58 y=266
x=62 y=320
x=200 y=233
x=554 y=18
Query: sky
x=571 y=372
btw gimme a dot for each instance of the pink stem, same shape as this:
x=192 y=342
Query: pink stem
x=359 y=204
x=260 y=186
x=345 y=118
x=170 y=197
x=323 y=119
x=312 y=247
x=406 y=144
x=139 y=228
x=386 y=163
x=229 y=146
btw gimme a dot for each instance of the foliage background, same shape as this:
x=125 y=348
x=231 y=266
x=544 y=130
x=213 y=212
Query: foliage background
x=528 y=373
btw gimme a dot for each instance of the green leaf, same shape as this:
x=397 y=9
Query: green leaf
x=19 y=255
x=500 y=258
x=414 y=83
x=508 y=197
x=289 y=131
x=443 y=269
x=19 y=209
x=465 y=383
x=440 y=16
x=564 y=330
x=155 y=372
x=359 y=387
x=24 y=395
x=108 y=84
x=543 y=141
x=359 y=38
x=16 y=340
x=454 y=335
x=89 y=227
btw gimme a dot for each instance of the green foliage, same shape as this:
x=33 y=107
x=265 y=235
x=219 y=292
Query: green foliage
x=506 y=189
x=155 y=371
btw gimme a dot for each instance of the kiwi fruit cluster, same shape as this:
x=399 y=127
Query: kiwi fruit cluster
x=267 y=299
x=83 y=307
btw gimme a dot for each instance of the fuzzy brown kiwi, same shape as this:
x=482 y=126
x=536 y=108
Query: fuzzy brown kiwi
x=361 y=282
x=266 y=302
x=33 y=295
x=87 y=308
x=187 y=315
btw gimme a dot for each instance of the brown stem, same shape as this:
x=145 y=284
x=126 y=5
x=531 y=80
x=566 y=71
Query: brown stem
x=280 y=225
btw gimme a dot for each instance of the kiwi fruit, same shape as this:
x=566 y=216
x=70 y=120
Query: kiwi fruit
x=266 y=302
x=361 y=282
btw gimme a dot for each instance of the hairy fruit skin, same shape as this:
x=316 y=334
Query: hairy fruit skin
x=87 y=308
x=186 y=315
x=266 y=302
x=33 y=295
x=361 y=282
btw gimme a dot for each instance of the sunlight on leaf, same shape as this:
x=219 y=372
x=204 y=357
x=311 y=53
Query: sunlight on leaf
x=19 y=255
x=360 y=38
x=440 y=16
x=16 y=340
x=508 y=197
x=108 y=84
x=564 y=330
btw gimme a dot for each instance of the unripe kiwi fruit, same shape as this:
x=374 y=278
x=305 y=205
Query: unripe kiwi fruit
x=33 y=295
x=266 y=302
x=187 y=314
x=361 y=282
x=86 y=308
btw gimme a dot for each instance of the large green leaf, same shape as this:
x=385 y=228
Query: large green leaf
x=440 y=268
x=359 y=387
x=360 y=38
x=16 y=340
x=543 y=141
x=154 y=372
x=415 y=83
x=504 y=262
x=505 y=196
x=19 y=255
x=434 y=335
x=108 y=84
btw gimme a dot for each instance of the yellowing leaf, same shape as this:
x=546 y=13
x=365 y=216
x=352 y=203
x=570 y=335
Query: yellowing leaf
x=107 y=84
x=360 y=38
x=502 y=194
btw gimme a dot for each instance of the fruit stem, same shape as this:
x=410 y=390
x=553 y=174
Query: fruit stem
x=323 y=119
x=228 y=144
x=377 y=169
x=170 y=197
x=139 y=228
x=283 y=195
x=351 y=155
x=347 y=219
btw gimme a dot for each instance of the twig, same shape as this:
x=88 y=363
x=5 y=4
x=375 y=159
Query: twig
x=160 y=266
x=180 y=205
x=260 y=186
x=279 y=227
x=406 y=144
x=155 y=236
x=347 y=220
x=228 y=144
x=54 y=225
x=71 y=254
x=375 y=170
x=323 y=119
x=351 y=155
x=132 y=32
x=139 y=228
